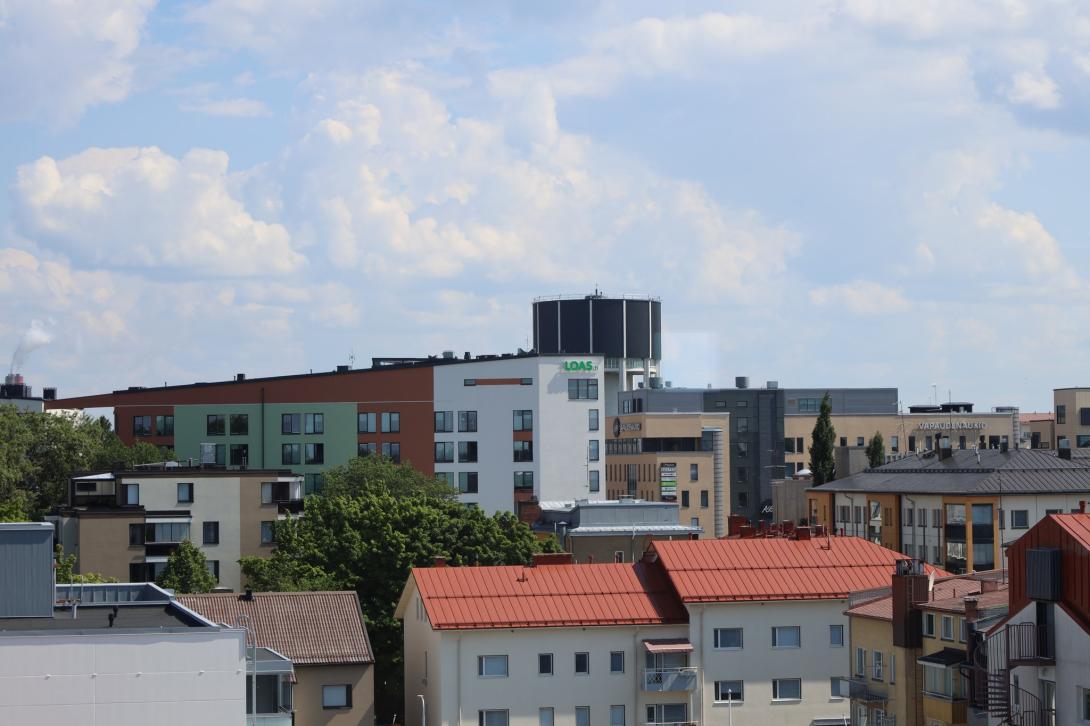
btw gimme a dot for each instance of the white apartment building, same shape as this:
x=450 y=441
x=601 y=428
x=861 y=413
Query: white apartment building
x=705 y=631
x=511 y=426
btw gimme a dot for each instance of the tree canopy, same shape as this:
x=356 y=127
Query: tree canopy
x=186 y=570
x=39 y=453
x=876 y=450
x=372 y=523
x=822 y=467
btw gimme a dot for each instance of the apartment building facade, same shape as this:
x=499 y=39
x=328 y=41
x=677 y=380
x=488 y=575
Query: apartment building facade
x=683 y=458
x=498 y=427
x=1072 y=416
x=125 y=524
x=748 y=631
x=958 y=509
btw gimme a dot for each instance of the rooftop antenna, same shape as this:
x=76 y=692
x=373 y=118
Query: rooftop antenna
x=352 y=358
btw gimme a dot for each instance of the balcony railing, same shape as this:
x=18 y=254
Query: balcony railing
x=271 y=719
x=859 y=689
x=671 y=723
x=670 y=679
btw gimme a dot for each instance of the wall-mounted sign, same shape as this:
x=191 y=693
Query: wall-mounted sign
x=668 y=482
x=619 y=428
x=952 y=426
x=579 y=366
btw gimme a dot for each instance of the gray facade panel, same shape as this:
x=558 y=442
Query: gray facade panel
x=26 y=570
x=844 y=400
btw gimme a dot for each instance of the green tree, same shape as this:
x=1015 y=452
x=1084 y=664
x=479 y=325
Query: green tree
x=876 y=450
x=16 y=508
x=822 y=466
x=65 y=570
x=186 y=570
x=369 y=541
x=371 y=474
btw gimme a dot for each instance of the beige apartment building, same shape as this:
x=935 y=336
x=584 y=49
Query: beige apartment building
x=125 y=524
x=672 y=457
x=903 y=433
x=1072 y=421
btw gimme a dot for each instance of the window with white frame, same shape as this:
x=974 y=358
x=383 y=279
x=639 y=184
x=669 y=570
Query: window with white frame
x=582 y=664
x=877 y=664
x=786 y=636
x=545 y=717
x=544 y=664
x=860 y=662
x=947 y=627
x=786 y=689
x=836 y=636
x=1084 y=704
x=728 y=638
x=929 y=624
x=337 y=696
x=731 y=691
x=493 y=717
x=582 y=716
x=616 y=715
x=492 y=666
x=616 y=661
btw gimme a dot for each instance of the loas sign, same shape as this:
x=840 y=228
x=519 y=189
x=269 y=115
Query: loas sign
x=578 y=366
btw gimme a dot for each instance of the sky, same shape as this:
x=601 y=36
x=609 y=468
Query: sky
x=822 y=193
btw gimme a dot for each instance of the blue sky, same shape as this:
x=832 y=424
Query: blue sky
x=839 y=193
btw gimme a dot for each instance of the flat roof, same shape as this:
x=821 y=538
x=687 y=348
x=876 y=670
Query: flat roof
x=96 y=618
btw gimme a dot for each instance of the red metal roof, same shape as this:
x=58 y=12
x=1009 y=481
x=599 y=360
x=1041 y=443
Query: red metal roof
x=728 y=570
x=310 y=628
x=462 y=598
x=1076 y=525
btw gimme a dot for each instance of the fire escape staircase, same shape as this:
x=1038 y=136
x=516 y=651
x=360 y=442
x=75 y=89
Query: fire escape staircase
x=989 y=674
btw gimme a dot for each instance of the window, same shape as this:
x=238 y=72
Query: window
x=524 y=450
x=908 y=515
x=545 y=717
x=786 y=636
x=544 y=664
x=876 y=666
x=522 y=420
x=214 y=425
x=860 y=662
x=742 y=424
x=936 y=518
x=729 y=691
x=369 y=448
x=339 y=696
x=290 y=453
x=141 y=425
x=789 y=446
x=1082 y=441
x=742 y=449
x=467 y=482
x=582 y=664
x=929 y=624
x=493 y=717
x=1084 y=704
x=268 y=533
x=592 y=450
x=592 y=419
x=314 y=423
x=582 y=389
x=921 y=521
x=947 y=627
x=213 y=568
x=694 y=472
x=132 y=493
x=704 y=498
x=836 y=636
x=211 y=533
x=1061 y=414
x=240 y=454
x=685 y=497
x=185 y=492
x=392 y=451
x=834 y=688
x=444 y=452
x=164 y=425
x=315 y=454
x=365 y=423
x=467 y=421
x=844 y=513
x=616 y=661
x=524 y=480
x=240 y=424
x=290 y=423
x=166 y=532
x=694 y=521
x=582 y=716
x=311 y=483
x=391 y=422
x=594 y=480
x=743 y=475
x=469 y=381
x=892 y=667
x=444 y=422
x=786 y=689
x=843 y=440
x=447 y=477
x=492 y=666
x=809 y=405
x=136 y=534
x=728 y=638
x=467 y=452
x=616 y=716
x=894 y=444
x=859 y=441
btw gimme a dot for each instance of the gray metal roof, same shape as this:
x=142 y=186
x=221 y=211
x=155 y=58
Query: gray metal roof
x=990 y=471
x=664 y=529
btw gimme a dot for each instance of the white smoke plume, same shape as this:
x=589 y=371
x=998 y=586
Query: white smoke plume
x=35 y=337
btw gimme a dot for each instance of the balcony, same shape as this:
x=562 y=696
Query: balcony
x=271 y=719
x=671 y=723
x=859 y=689
x=1029 y=644
x=670 y=679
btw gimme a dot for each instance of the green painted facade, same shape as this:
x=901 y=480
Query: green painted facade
x=338 y=437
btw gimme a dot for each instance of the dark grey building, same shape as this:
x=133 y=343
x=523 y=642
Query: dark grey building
x=843 y=400
x=756 y=434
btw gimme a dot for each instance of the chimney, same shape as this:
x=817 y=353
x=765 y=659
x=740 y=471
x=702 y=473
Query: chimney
x=1064 y=451
x=247 y=596
x=971 y=610
x=440 y=562
x=240 y=377
x=1082 y=506
x=989 y=585
x=803 y=533
x=556 y=558
x=945 y=452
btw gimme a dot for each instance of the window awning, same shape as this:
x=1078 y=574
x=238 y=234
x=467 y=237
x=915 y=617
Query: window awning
x=945 y=658
x=668 y=645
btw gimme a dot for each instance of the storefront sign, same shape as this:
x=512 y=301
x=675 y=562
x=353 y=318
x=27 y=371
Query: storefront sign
x=952 y=426
x=668 y=482
x=619 y=428
x=579 y=366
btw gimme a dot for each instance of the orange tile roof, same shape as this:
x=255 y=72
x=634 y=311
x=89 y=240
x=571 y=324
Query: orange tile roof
x=947 y=596
x=464 y=598
x=1032 y=416
x=310 y=628
x=727 y=570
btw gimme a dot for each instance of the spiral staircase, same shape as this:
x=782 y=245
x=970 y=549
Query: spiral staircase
x=988 y=672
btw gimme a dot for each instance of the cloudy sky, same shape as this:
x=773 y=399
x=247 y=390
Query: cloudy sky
x=840 y=192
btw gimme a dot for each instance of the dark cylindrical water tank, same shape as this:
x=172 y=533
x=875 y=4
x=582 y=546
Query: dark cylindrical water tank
x=598 y=325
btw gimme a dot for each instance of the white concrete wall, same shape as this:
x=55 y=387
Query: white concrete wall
x=927 y=536
x=215 y=499
x=167 y=679
x=758 y=663
x=560 y=428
